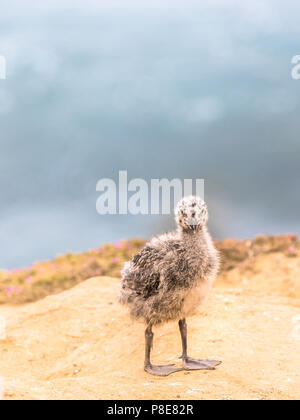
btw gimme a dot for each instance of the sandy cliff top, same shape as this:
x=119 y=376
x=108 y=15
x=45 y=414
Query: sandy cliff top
x=81 y=344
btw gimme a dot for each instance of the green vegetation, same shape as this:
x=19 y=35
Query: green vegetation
x=45 y=278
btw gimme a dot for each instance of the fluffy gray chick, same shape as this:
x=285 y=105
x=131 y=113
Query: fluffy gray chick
x=170 y=277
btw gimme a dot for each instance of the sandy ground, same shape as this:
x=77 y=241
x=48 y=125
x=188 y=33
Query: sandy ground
x=81 y=344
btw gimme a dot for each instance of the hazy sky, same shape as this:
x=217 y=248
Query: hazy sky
x=174 y=89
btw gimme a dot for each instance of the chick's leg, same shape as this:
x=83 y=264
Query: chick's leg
x=163 y=370
x=188 y=362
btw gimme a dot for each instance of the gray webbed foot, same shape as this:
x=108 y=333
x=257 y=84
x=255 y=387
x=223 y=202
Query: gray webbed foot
x=198 y=364
x=163 y=370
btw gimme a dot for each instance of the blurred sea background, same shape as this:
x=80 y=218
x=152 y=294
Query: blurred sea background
x=166 y=89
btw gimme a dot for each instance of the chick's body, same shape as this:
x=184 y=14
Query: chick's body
x=170 y=277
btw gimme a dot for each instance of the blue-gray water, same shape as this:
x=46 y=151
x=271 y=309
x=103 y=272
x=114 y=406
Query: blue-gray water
x=167 y=89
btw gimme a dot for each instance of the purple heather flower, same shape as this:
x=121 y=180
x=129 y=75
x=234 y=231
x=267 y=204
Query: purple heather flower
x=9 y=290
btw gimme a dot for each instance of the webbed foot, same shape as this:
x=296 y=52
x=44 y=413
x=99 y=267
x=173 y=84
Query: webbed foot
x=163 y=370
x=198 y=364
